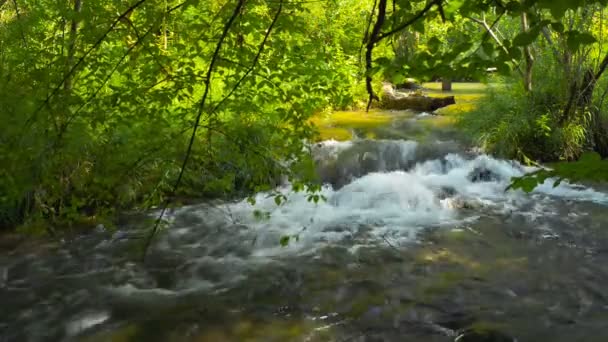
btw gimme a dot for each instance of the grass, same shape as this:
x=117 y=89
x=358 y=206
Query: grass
x=465 y=94
x=340 y=125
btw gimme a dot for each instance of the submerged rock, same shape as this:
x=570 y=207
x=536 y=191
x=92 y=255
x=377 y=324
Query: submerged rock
x=482 y=174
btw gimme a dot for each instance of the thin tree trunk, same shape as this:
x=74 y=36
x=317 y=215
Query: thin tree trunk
x=446 y=84
x=493 y=35
x=528 y=55
x=371 y=42
x=72 y=45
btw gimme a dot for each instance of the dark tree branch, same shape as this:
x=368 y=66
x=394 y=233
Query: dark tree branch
x=69 y=74
x=199 y=115
x=377 y=36
x=371 y=42
x=369 y=25
x=490 y=32
x=72 y=44
x=140 y=39
x=406 y=24
x=602 y=68
x=18 y=13
x=255 y=60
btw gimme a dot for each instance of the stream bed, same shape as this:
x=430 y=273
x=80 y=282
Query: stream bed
x=417 y=241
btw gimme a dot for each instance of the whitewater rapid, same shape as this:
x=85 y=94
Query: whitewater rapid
x=394 y=191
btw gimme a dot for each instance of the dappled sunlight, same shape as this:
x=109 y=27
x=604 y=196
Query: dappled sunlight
x=334 y=133
x=342 y=125
x=450 y=257
x=177 y=171
x=465 y=94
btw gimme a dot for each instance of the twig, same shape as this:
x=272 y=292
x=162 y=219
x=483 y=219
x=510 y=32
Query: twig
x=409 y=22
x=201 y=108
x=369 y=25
x=255 y=60
x=18 y=13
x=81 y=60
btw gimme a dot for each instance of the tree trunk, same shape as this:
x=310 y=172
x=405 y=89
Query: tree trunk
x=72 y=44
x=528 y=55
x=446 y=84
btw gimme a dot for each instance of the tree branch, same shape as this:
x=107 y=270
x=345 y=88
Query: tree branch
x=81 y=60
x=377 y=36
x=72 y=44
x=490 y=31
x=255 y=60
x=406 y=24
x=371 y=42
x=199 y=115
x=18 y=13
x=602 y=68
x=368 y=26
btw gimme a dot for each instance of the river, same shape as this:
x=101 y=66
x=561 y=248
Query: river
x=417 y=241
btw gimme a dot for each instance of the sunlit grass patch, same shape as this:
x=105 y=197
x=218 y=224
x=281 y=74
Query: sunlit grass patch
x=457 y=109
x=441 y=121
x=465 y=94
x=458 y=88
x=355 y=119
x=340 y=125
x=334 y=133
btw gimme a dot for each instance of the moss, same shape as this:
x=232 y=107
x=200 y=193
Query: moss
x=466 y=95
x=354 y=119
x=340 y=125
x=335 y=133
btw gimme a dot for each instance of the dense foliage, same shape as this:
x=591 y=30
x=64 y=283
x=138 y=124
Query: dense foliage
x=115 y=104
x=100 y=99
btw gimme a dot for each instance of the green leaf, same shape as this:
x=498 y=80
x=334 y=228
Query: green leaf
x=575 y=39
x=558 y=27
x=284 y=241
x=526 y=38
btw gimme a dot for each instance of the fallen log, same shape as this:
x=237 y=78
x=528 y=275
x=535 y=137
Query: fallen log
x=395 y=100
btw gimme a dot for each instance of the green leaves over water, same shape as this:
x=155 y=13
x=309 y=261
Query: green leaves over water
x=590 y=167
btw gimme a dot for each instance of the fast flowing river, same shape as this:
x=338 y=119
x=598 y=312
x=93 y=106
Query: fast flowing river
x=417 y=241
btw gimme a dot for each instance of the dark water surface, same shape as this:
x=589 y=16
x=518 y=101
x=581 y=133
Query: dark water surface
x=417 y=241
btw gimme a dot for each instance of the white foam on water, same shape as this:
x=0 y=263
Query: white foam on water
x=400 y=204
x=395 y=205
x=331 y=148
x=572 y=192
x=86 y=321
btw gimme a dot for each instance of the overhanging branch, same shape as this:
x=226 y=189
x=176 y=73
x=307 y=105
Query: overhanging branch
x=196 y=125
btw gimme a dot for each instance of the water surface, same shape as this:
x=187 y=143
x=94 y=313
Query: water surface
x=418 y=241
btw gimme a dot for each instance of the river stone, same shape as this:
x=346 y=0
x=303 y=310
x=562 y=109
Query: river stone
x=482 y=174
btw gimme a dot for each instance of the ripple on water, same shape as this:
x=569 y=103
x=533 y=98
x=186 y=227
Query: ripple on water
x=413 y=242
